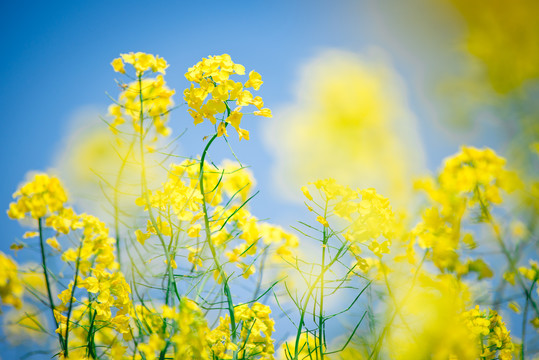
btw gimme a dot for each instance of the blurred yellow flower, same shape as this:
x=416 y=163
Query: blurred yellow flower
x=504 y=35
x=11 y=286
x=350 y=121
x=90 y=168
x=433 y=311
x=21 y=325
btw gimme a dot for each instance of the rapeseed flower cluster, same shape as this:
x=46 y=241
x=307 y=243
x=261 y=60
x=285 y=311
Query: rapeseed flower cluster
x=368 y=216
x=477 y=175
x=44 y=198
x=255 y=338
x=142 y=62
x=191 y=340
x=217 y=94
x=11 y=286
x=491 y=333
x=306 y=347
x=145 y=98
x=472 y=179
x=184 y=335
x=44 y=195
x=179 y=210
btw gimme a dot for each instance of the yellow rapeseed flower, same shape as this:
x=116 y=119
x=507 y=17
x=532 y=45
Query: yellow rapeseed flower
x=11 y=286
x=212 y=93
x=41 y=196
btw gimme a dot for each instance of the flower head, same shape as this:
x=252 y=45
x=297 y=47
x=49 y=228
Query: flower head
x=213 y=94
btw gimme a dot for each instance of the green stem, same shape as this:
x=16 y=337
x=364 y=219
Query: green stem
x=260 y=276
x=71 y=302
x=90 y=347
x=525 y=320
x=309 y=293
x=144 y=190
x=505 y=251
x=116 y=206
x=63 y=345
x=222 y=274
x=321 y=316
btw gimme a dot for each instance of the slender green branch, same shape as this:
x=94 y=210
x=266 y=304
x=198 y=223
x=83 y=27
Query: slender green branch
x=144 y=189
x=116 y=206
x=321 y=315
x=505 y=250
x=63 y=345
x=309 y=293
x=525 y=320
x=71 y=302
x=222 y=274
x=90 y=339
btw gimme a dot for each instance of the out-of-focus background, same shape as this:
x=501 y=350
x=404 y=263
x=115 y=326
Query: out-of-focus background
x=372 y=93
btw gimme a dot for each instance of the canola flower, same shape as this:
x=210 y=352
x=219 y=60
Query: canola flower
x=44 y=199
x=44 y=195
x=179 y=205
x=493 y=336
x=474 y=178
x=364 y=221
x=369 y=217
x=255 y=334
x=213 y=93
x=144 y=98
x=11 y=286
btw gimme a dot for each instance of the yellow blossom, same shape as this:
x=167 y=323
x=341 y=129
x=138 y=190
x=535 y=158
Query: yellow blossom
x=141 y=236
x=264 y=113
x=53 y=242
x=305 y=191
x=322 y=221
x=146 y=97
x=172 y=263
x=255 y=80
x=11 y=286
x=221 y=129
x=248 y=270
x=194 y=230
x=41 y=196
x=514 y=306
x=211 y=89
x=118 y=65
x=332 y=134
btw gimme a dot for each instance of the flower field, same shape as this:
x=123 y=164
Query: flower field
x=384 y=259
